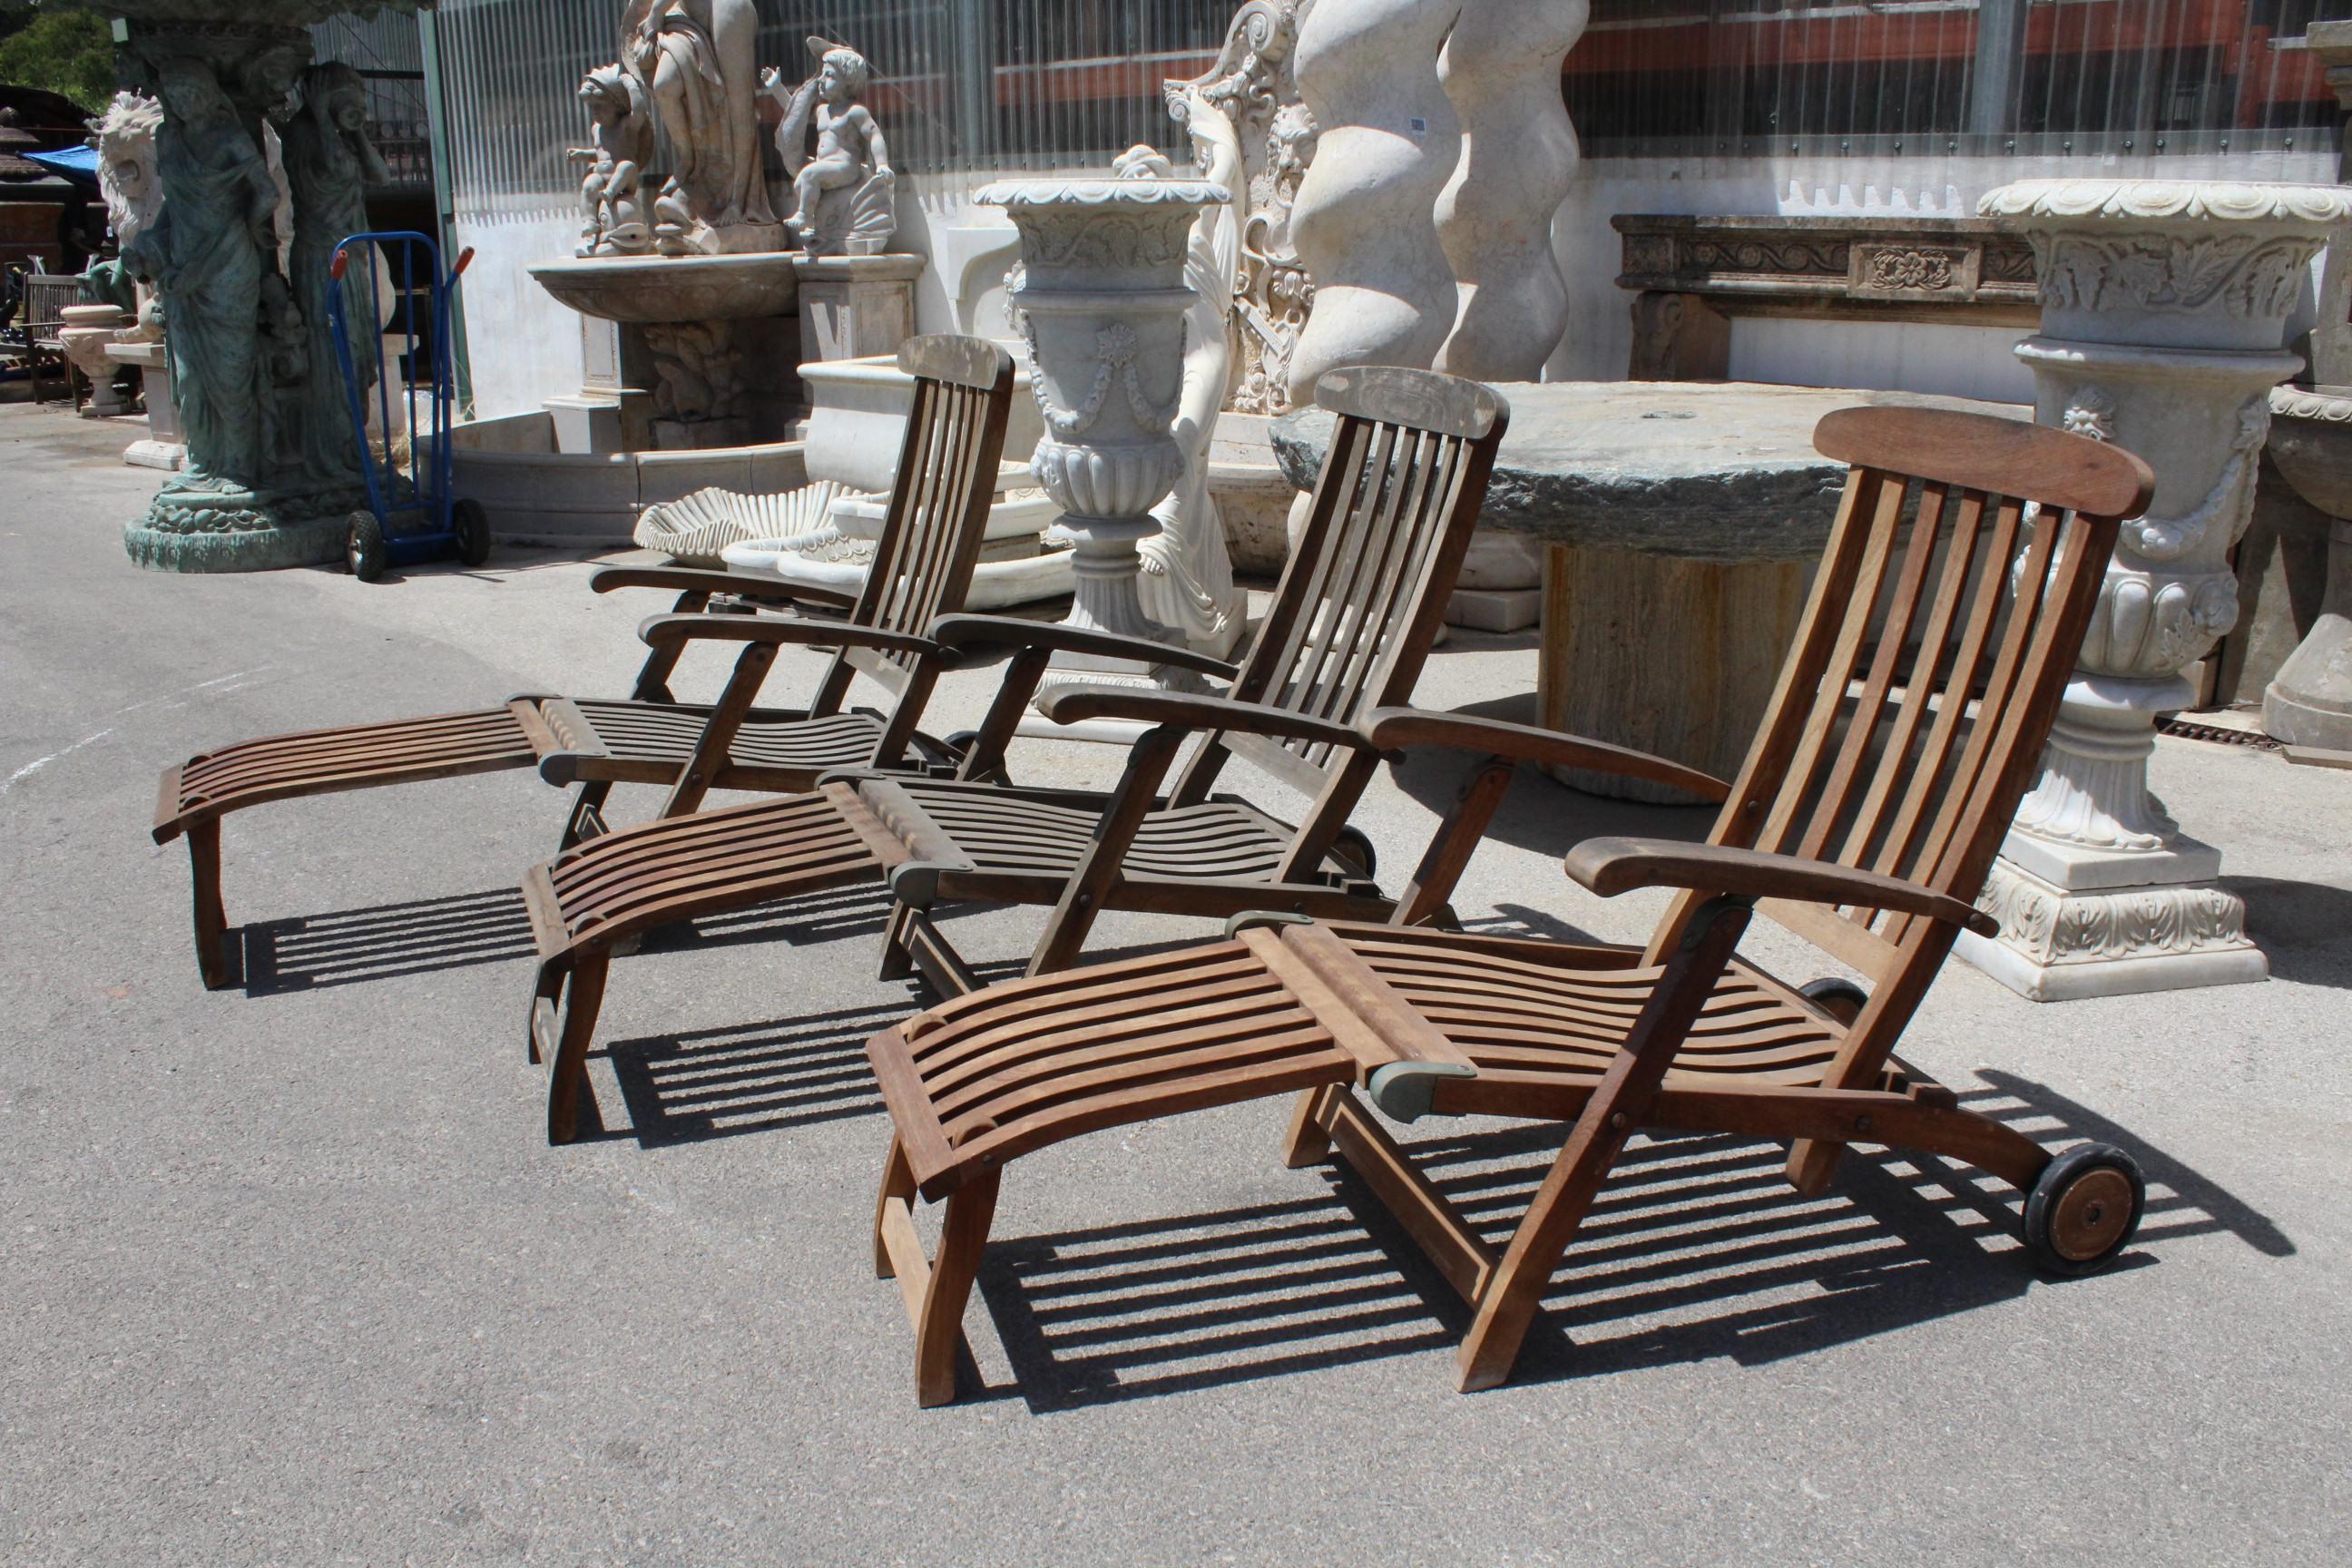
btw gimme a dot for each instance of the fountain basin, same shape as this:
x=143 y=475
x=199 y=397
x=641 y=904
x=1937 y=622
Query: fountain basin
x=659 y=289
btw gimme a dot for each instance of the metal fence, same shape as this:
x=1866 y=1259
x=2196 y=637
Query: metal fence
x=990 y=84
x=959 y=84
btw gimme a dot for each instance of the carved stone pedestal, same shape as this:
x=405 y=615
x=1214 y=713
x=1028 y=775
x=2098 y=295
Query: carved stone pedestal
x=2164 y=316
x=163 y=447
x=855 y=306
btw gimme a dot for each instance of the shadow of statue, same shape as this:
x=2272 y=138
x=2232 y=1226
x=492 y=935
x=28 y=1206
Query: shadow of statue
x=1697 y=1250
x=2301 y=928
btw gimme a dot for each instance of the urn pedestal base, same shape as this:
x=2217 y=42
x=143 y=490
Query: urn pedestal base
x=2172 y=931
x=2098 y=891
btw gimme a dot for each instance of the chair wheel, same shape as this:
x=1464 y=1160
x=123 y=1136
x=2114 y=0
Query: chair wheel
x=1841 y=999
x=2084 y=1210
x=364 y=548
x=472 y=526
x=1354 y=846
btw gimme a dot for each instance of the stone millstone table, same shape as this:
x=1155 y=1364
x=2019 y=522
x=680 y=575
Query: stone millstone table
x=1683 y=521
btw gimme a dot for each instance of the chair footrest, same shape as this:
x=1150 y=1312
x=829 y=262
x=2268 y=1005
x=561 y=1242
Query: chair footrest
x=680 y=867
x=327 y=761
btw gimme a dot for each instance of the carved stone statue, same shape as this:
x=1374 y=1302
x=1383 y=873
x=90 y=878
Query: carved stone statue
x=206 y=251
x=1365 y=221
x=1238 y=333
x=330 y=163
x=695 y=61
x=1501 y=69
x=126 y=164
x=621 y=138
x=844 y=194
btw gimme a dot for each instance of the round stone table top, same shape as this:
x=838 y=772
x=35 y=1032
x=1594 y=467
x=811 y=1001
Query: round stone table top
x=1721 y=472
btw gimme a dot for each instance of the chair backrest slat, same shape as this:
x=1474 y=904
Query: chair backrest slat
x=1367 y=583
x=1950 y=605
x=937 y=510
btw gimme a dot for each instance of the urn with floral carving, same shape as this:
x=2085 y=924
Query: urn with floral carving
x=2166 y=309
x=1100 y=300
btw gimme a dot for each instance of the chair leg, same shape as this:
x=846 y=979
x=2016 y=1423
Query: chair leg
x=212 y=921
x=897 y=1182
x=586 y=819
x=1308 y=1141
x=546 y=997
x=898 y=958
x=1506 y=1307
x=940 y=1333
x=568 y=1081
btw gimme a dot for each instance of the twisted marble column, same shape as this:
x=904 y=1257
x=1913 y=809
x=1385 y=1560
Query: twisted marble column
x=1365 y=223
x=1501 y=71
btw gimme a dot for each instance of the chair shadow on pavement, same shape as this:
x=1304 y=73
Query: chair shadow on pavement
x=700 y=1084
x=344 y=947
x=1697 y=1249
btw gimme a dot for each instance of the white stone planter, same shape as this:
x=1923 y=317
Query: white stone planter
x=1100 y=304
x=2165 y=314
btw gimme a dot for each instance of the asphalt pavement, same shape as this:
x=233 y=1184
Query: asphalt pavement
x=288 y=1274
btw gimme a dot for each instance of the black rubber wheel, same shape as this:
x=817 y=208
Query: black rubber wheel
x=1353 y=846
x=472 y=525
x=363 y=549
x=2084 y=1210
x=1841 y=999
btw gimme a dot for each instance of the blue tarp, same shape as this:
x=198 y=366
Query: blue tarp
x=80 y=162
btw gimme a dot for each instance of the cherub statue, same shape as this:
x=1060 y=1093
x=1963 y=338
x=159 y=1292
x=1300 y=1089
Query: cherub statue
x=612 y=195
x=842 y=195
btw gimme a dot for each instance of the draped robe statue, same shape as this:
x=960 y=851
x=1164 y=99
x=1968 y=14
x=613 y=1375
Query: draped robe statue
x=206 y=251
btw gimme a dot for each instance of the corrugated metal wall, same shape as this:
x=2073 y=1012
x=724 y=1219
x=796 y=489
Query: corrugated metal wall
x=1896 y=77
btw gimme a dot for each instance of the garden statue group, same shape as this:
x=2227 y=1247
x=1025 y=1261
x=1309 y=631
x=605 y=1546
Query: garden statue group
x=686 y=77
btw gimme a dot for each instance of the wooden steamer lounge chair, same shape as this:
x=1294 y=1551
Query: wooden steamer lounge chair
x=1864 y=820
x=1350 y=625
x=930 y=539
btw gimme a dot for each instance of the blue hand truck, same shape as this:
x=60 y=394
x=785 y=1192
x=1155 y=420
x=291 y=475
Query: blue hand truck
x=412 y=516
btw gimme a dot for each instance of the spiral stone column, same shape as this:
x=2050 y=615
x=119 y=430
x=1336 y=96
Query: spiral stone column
x=1501 y=72
x=1099 y=298
x=2165 y=312
x=1364 y=224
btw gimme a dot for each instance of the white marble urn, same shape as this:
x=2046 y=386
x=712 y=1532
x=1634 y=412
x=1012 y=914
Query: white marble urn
x=1099 y=299
x=2166 y=308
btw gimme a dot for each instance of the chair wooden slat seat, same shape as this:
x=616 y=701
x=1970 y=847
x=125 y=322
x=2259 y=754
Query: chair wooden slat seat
x=1349 y=628
x=1910 y=714
x=930 y=540
x=1002 y=1072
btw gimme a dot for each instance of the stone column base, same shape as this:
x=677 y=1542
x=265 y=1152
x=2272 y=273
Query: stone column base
x=2058 y=944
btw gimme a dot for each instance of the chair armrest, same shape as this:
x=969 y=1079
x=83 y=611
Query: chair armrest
x=1397 y=728
x=695 y=580
x=1613 y=866
x=669 y=631
x=1072 y=704
x=1011 y=631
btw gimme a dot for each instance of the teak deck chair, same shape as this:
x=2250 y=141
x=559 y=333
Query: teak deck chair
x=1865 y=819
x=1350 y=625
x=930 y=540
